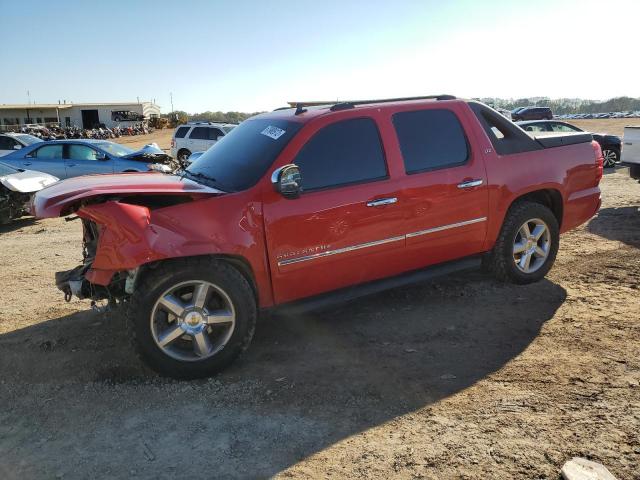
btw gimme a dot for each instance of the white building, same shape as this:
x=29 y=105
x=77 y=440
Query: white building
x=84 y=115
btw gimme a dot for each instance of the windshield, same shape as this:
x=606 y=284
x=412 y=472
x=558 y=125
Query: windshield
x=114 y=149
x=28 y=139
x=6 y=170
x=238 y=160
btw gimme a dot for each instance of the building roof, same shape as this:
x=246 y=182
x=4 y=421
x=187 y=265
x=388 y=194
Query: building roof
x=61 y=106
x=34 y=106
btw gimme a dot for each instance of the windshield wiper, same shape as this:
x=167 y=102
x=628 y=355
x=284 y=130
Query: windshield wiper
x=198 y=175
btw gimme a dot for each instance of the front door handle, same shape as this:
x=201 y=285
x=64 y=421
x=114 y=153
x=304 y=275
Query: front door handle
x=26 y=164
x=382 y=201
x=470 y=183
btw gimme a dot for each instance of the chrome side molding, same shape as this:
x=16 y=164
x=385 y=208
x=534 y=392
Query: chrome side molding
x=328 y=253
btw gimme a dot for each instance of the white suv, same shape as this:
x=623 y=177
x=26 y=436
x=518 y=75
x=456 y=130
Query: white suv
x=197 y=137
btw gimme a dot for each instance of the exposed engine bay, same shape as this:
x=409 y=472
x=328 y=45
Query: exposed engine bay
x=12 y=204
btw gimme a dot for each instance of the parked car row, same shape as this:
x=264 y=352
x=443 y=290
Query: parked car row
x=611 y=145
x=579 y=116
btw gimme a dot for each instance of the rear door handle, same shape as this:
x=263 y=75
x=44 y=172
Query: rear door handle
x=382 y=201
x=26 y=164
x=470 y=183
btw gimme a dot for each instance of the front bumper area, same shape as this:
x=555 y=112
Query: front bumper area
x=634 y=169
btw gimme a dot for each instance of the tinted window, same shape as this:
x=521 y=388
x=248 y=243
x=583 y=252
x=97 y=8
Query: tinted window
x=430 y=139
x=81 y=152
x=7 y=143
x=561 y=127
x=342 y=153
x=536 y=127
x=182 y=131
x=199 y=133
x=239 y=159
x=214 y=133
x=6 y=169
x=49 y=151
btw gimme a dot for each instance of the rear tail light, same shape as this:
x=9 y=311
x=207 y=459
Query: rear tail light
x=173 y=143
x=599 y=160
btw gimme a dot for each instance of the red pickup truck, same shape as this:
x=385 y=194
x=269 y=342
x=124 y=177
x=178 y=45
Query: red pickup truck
x=307 y=205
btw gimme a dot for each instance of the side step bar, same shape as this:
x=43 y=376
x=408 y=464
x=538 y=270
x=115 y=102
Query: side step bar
x=357 y=291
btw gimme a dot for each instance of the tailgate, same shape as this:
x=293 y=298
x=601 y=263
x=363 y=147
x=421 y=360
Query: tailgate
x=631 y=145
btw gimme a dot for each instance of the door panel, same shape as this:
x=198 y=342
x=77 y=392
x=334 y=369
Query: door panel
x=48 y=159
x=445 y=194
x=327 y=240
x=349 y=228
x=82 y=160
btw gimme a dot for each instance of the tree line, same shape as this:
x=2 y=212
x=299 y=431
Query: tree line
x=558 y=105
x=569 y=105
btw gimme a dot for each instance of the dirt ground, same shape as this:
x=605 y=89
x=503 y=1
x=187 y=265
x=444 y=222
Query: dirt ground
x=459 y=378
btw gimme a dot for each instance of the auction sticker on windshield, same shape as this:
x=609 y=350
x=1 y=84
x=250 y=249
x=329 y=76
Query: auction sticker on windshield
x=273 y=132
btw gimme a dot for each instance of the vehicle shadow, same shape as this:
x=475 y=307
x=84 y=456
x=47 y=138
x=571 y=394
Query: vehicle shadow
x=17 y=224
x=618 y=223
x=72 y=387
x=614 y=169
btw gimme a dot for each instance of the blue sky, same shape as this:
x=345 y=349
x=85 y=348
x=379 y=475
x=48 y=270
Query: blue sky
x=256 y=55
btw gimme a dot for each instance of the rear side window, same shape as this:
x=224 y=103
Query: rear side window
x=430 y=139
x=342 y=153
x=182 y=131
x=49 y=151
x=200 y=133
x=7 y=143
x=214 y=133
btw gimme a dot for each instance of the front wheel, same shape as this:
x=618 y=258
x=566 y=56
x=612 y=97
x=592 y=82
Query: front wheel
x=611 y=156
x=191 y=319
x=528 y=243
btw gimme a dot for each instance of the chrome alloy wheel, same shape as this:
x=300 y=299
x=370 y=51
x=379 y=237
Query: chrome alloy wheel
x=531 y=245
x=192 y=321
x=609 y=157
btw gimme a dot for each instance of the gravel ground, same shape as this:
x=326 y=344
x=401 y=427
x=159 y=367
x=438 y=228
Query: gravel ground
x=460 y=378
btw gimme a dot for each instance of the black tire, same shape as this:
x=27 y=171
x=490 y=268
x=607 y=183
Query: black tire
x=183 y=154
x=158 y=281
x=611 y=157
x=501 y=260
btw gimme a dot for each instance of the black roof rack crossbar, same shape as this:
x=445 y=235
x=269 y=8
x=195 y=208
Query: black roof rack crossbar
x=347 y=104
x=343 y=105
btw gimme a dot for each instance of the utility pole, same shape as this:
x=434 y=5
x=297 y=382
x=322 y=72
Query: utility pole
x=28 y=97
x=171 y=96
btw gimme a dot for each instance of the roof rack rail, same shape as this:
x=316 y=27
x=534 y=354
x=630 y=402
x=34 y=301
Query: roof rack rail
x=352 y=103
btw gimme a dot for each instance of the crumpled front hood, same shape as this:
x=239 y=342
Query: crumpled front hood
x=150 y=152
x=61 y=197
x=27 y=181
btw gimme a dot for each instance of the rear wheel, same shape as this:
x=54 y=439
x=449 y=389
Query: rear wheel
x=527 y=245
x=611 y=157
x=192 y=319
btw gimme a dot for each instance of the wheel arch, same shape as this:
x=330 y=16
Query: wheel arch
x=549 y=197
x=236 y=261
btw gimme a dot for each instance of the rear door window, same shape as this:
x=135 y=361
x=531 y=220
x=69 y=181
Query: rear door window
x=199 y=133
x=182 y=131
x=430 y=139
x=215 y=133
x=49 y=151
x=343 y=153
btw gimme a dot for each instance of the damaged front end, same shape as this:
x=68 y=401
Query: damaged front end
x=74 y=282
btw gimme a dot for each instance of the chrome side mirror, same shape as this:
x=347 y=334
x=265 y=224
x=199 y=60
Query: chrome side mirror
x=287 y=181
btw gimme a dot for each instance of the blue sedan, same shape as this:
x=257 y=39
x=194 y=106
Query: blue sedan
x=72 y=158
